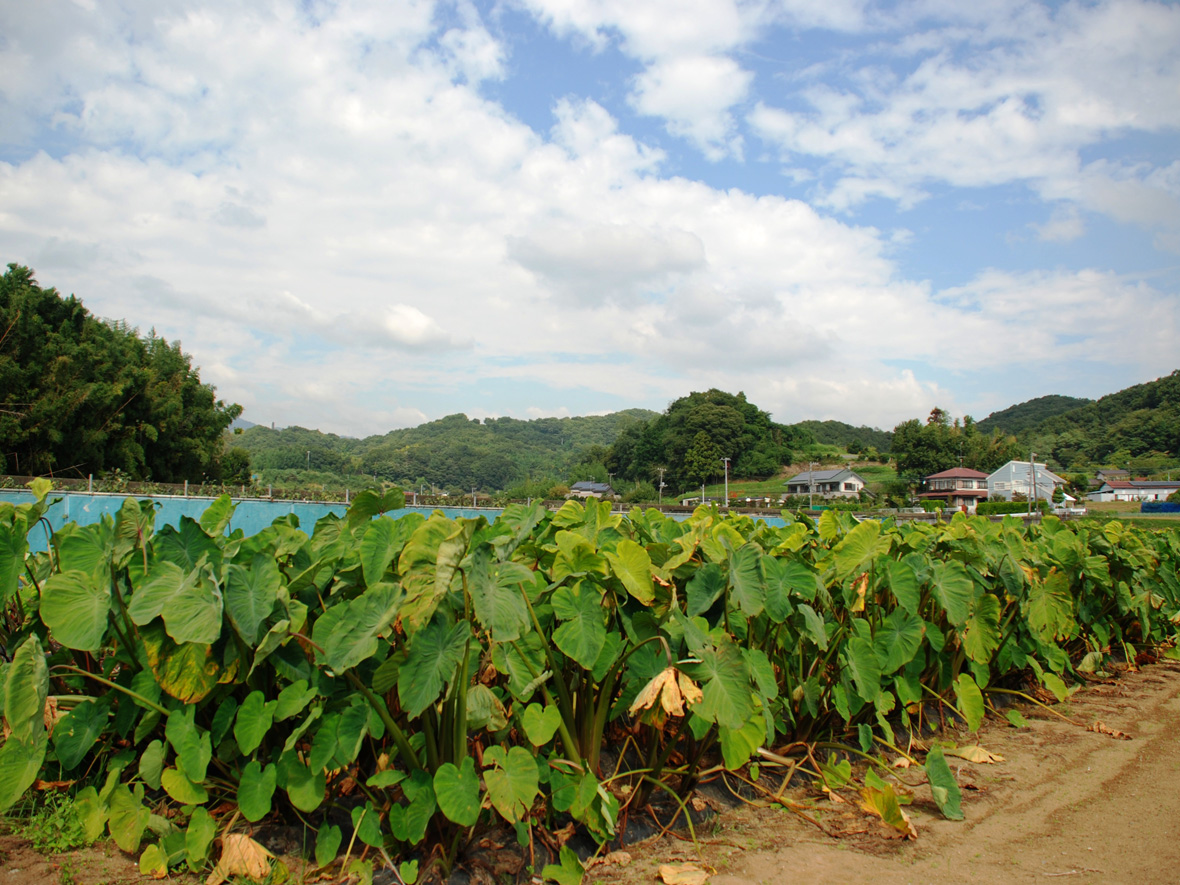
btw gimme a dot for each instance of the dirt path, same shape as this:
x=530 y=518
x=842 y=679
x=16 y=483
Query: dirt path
x=1066 y=804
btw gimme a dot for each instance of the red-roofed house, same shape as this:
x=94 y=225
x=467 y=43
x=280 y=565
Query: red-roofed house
x=960 y=487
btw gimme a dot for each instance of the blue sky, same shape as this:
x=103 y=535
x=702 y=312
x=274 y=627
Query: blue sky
x=364 y=215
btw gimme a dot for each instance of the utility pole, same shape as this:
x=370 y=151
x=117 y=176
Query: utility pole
x=309 y=460
x=726 y=461
x=1033 y=466
x=810 y=485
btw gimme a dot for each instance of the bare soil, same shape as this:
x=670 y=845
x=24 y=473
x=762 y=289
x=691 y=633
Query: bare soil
x=1064 y=804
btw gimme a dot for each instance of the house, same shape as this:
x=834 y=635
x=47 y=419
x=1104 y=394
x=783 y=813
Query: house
x=589 y=489
x=1135 y=490
x=1023 y=478
x=960 y=487
x=838 y=483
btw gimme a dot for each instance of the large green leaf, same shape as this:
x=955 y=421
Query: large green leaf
x=198 y=838
x=192 y=743
x=26 y=686
x=76 y=732
x=190 y=604
x=943 y=785
x=511 y=780
x=427 y=564
x=747 y=585
x=982 y=635
x=181 y=788
x=20 y=762
x=305 y=788
x=970 y=700
x=383 y=539
x=128 y=818
x=255 y=790
x=74 y=606
x=583 y=631
x=955 y=589
x=86 y=549
x=704 y=588
x=576 y=556
x=250 y=595
x=435 y=653
x=631 y=564
x=456 y=789
x=348 y=632
x=253 y=722
x=785 y=578
x=187 y=545
x=852 y=553
x=540 y=724
x=368 y=504
x=14 y=547
x=1050 y=606
x=408 y=822
x=215 y=520
x=866 y=671
x=904 y=585
x=725 y=684
x=813 y=624
x=897 y=640
x=497 y=595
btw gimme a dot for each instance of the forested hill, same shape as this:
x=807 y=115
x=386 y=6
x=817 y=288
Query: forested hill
x=82 y=396
x=837 y=433
x=1017 y=419
x=1141 y=423
x=455 y=452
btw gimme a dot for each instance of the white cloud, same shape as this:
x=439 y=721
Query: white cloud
x=1015 y=101
x=324 y=207
x=1065 y=225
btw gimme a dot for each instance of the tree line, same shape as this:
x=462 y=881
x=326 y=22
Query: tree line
x=81 y=396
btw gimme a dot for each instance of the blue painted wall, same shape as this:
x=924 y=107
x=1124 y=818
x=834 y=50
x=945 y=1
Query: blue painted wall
x=251 y=516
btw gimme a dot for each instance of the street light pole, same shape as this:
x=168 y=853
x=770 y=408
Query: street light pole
x=726 y=460
x=661 y=489
x=810 y=485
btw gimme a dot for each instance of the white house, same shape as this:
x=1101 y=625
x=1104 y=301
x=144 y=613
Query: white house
x=1135 y=490
x=1023 y=478
x=839 y=483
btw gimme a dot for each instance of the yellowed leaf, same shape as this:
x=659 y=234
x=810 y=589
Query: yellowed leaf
x=975 y=754
x=901 y=762
x=884 y=804
x=650 y=693
x=692 y=694
x=240 y=856
x=682 y=874
x=861 y=586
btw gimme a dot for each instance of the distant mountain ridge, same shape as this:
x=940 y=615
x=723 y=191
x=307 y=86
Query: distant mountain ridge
x=1023 y=416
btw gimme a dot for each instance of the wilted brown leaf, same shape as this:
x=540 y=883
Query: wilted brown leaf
x=240 y=856
x=1100 y=727
x=689 y=689
x=682 y=874
x=974 y=754
x=861 y=586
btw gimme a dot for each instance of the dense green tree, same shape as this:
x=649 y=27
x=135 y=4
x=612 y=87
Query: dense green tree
x=82 y=396
x=735 y=428
x=942 y=443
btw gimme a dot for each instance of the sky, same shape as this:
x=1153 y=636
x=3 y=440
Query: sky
x=358 y=216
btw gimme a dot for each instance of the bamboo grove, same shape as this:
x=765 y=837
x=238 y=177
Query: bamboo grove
x=405 y=683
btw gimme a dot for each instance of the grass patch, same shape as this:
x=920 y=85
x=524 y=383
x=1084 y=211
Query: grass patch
x=53 y=825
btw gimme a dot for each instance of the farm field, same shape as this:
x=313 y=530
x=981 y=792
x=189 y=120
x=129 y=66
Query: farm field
x=1064 y=803
x=429 y=695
